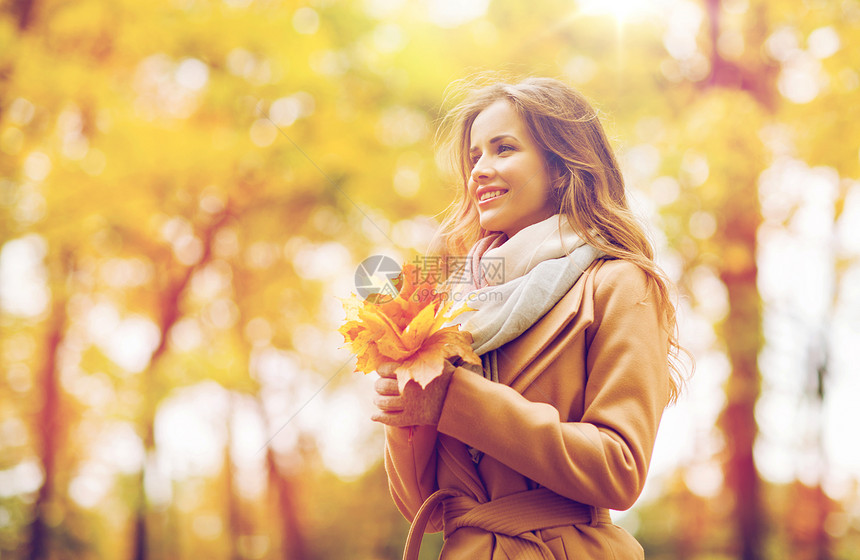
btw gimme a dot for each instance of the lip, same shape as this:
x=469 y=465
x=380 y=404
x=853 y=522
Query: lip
x=485 y=189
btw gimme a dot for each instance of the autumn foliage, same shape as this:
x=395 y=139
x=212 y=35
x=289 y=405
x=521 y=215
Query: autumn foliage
x=407 y=328
x=186 y=185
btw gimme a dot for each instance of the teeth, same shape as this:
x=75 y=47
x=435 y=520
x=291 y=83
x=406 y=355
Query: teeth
x=490 y=194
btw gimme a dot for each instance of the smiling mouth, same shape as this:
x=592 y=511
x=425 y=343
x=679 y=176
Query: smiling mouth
x=490 y=195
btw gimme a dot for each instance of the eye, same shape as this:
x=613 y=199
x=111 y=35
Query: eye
x=505 y=148
x=474 y=159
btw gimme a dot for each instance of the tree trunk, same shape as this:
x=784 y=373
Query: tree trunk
x=291 y=530
x=234 y=504
x=742 y=326
x=805 y=522
x=170 y=314
x=811 y=506
x=294 y=546
x=23 y=10
x=49 y=413
x=742 y=331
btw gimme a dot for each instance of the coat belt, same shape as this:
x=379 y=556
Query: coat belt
x=511 y=519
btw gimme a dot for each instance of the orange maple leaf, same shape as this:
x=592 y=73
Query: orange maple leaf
x=407 y=328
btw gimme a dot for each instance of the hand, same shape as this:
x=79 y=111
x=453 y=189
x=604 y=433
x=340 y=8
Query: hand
x=416 y=406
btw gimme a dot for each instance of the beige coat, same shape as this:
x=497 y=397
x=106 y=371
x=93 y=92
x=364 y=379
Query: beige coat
x=575 y=416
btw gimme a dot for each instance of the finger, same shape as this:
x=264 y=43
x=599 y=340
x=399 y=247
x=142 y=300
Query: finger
x=389 y=419
x=387 y=387
x=386 y=369
x=389 y=404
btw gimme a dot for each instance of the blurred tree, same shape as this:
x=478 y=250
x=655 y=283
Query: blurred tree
x=806 y=522
x=215 y=170
x=47 y=509
x=735 y=244
x=235 y=517
x=751 y=83
x=176 y=281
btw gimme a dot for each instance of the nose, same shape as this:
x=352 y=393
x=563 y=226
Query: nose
x=482 y=171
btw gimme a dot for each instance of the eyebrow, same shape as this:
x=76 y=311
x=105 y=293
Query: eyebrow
x=494 y=140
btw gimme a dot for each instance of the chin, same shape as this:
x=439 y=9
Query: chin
x=490 y=223
x=490 y=226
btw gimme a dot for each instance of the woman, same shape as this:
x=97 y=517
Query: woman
x=575 y=329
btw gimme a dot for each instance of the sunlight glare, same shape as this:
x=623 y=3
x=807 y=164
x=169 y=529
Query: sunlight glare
x=621 y=10
x=452 y=13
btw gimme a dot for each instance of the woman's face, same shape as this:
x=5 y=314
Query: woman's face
x=509 y=183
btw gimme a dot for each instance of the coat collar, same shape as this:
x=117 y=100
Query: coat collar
x=523 y=359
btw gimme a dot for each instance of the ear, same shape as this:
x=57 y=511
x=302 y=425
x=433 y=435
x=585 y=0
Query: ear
x=556 y=167
x=559 y=176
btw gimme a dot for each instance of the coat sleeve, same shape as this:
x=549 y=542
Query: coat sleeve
x=410 y=462
x=601 y=460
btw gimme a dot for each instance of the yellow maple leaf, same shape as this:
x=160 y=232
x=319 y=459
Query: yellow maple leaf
x=427 y=364
x=407 y=328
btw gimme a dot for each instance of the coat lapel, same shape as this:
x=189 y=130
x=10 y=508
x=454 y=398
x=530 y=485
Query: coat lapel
x=523 y=359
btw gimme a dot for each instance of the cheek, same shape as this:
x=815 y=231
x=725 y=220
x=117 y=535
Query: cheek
x=518 y=170
x=471 y=187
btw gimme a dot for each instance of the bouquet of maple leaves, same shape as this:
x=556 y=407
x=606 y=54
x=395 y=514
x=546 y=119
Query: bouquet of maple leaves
x=407 y=328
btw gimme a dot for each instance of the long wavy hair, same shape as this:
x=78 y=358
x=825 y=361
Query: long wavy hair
x=586 y=182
